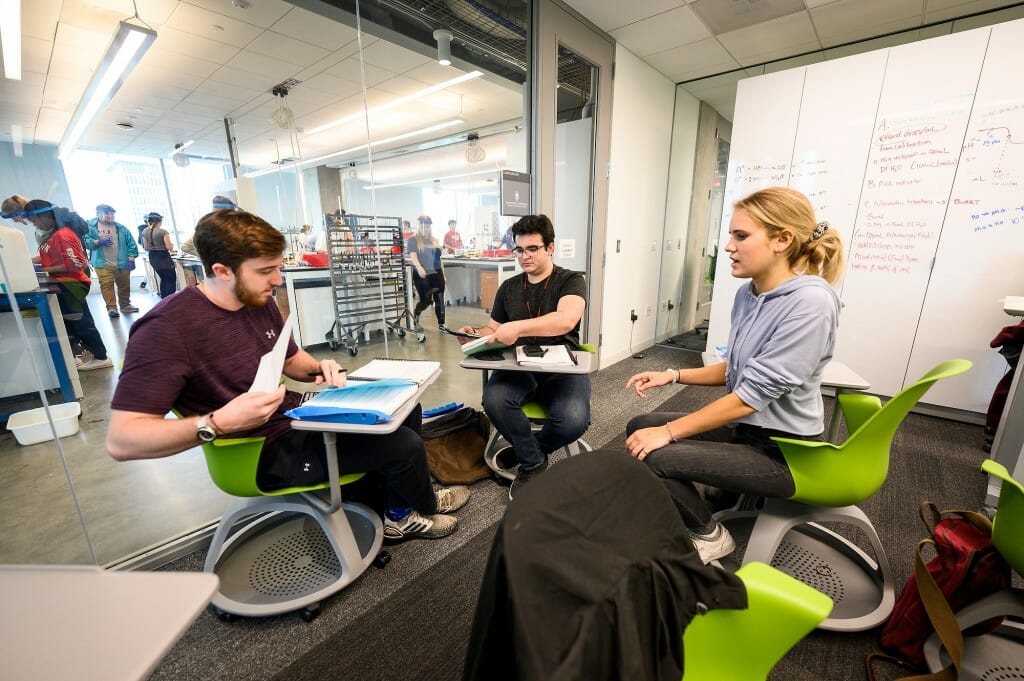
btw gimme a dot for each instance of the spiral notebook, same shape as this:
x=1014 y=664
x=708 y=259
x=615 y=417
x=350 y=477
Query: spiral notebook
x=417 y=370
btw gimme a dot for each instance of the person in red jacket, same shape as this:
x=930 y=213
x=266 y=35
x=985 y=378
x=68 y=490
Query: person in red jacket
x=61 y=256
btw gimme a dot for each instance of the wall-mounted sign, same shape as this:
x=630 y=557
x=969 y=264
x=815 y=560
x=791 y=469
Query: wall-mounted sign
x=515 y=193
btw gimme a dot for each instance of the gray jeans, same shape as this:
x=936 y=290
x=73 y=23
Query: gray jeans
x=738 y=460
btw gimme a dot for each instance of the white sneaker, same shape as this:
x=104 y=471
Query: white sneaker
x=415 y=525
x=96 y=364
x=452 y=498
x=718 y=544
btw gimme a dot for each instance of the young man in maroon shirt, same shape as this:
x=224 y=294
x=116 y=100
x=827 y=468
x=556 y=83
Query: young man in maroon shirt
x=198 y=352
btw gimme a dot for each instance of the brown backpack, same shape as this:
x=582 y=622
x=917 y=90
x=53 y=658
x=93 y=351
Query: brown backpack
x=455 y=446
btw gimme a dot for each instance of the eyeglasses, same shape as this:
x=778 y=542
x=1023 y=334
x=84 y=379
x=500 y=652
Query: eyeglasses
x=531 y=250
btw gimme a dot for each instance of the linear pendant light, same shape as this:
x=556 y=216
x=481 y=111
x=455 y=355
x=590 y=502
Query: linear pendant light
x=10 y=37
x=126 y=50
x=396 y=102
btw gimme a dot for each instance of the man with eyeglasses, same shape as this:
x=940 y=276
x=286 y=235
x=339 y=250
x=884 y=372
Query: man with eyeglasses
x=543 y=305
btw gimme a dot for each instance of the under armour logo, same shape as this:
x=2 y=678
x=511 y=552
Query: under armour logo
x=270 y=334
x=305 y=467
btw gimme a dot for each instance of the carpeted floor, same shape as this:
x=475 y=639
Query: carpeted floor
x=411 y=620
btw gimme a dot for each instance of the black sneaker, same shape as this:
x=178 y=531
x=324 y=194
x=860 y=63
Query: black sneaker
x=113 y=314
x=523 y=478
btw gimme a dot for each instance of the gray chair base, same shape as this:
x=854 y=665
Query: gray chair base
x=788 y=536
x=996 y=655
x=496 y=443
x=291 y=557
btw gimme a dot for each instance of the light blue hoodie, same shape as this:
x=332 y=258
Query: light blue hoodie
x=779 y=343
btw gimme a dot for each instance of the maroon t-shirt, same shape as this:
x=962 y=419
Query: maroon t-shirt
x=191 y=355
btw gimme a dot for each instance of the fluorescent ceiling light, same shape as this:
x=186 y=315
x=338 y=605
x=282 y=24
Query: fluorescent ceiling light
x=432 y=178
x=396 y=102
x=16 y=139
x=10 y=37
x=126 y=50
x=386 y=140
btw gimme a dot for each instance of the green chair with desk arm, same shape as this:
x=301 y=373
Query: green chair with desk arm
x=538 y=414
x=780 y=612
x=299 y=550
x=999 y=654
x=830 y=479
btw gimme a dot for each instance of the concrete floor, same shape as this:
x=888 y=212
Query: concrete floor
x=127 y=507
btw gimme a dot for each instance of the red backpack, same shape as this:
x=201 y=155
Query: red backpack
x=966 y=568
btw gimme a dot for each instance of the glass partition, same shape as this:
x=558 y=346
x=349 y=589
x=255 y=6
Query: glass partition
x=317 y=117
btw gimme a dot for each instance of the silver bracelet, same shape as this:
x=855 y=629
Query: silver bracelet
x=670 y=435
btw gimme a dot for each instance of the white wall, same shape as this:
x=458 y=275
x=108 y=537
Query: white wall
x=642 y=110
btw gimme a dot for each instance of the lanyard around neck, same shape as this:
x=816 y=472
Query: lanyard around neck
x=529 y=311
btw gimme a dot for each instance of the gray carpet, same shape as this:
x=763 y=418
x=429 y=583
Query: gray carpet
x=411 y=619
x=255 y=649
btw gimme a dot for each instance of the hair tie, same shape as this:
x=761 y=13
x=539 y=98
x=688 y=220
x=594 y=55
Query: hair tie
x=819 y=230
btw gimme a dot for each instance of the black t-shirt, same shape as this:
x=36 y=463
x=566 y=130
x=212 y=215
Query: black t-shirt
x=518 y=299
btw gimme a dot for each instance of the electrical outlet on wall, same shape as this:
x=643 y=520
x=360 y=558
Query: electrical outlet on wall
x=647 y=311
x=654 y=245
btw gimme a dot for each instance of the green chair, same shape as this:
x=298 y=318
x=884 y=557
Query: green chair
x=993 y=656
x=830 y=479
x=780 y=611
x=538 y=414
x=299 y=550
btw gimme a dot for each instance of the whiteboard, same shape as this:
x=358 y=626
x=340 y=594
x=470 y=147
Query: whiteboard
x=910 y=153
x=756 y=160
x=919 y=128
x=981 y=251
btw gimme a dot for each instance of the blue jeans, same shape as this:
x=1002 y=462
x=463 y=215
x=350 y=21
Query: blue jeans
x=566 y=396
x=721 y=458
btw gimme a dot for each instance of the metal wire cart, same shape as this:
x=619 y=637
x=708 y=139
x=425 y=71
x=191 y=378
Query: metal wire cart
x=369 y=280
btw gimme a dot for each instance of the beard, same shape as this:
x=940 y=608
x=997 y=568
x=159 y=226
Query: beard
x=249 y=297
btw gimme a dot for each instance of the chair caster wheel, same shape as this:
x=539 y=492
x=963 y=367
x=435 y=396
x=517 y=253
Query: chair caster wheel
x=382 y=559
x=225 y=616
x=310 y=613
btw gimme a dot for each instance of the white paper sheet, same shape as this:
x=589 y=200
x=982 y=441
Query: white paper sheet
x=268 y=375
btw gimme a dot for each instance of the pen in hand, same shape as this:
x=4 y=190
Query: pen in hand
x=314 y=374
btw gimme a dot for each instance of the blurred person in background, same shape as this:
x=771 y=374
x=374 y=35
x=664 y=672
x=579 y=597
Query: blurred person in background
x=113 y=256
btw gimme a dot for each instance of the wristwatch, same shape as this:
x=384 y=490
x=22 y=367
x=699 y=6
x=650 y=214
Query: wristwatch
x=204 y=431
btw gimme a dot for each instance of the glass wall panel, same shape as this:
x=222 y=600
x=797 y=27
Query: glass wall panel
x=310 y=116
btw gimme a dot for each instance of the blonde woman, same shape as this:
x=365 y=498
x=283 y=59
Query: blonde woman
x=782 y=335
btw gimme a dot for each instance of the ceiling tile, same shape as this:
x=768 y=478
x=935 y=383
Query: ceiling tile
x=172 y=40
x=693 y=60
x=39 y=18
x=287 y=49
x=324 y=87
x=1008 y=14
x=274 y=70
x=662 y=32
x=150 y=11
x=256 y=82
x=204 y=23
x=782 y=37
x=35 y=54
x=433 y=73
x=315 y=29
x=262 y=13
x=611 y=15
x=351 y=70
x=849 y=20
